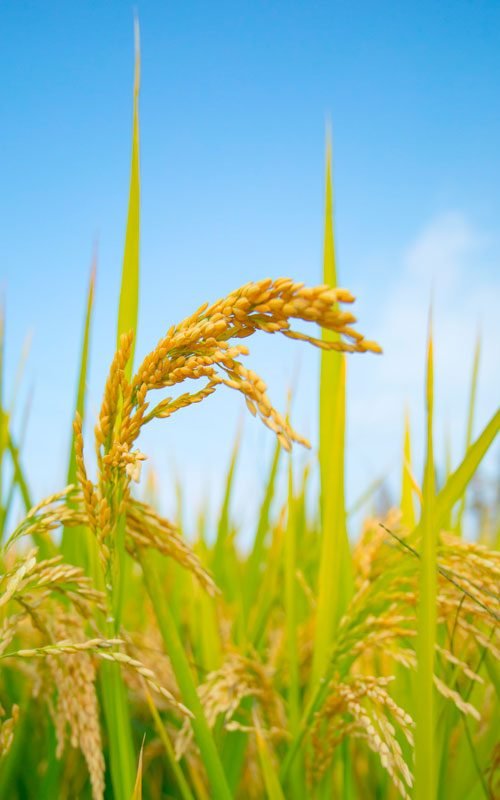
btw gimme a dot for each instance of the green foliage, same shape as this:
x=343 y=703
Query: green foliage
x=276 y=679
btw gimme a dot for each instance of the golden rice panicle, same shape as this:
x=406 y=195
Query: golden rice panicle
x=7 y=727
x=13 y=582
x=76 y=705
x=48 y=515
x=224 y=690
x=39 y=581
x=475 y=568
x=146 y=528
x=147 y=675
x=104 y=649
x=116 y=383
x=362 y=709
x=199 y=347
x=87 y=487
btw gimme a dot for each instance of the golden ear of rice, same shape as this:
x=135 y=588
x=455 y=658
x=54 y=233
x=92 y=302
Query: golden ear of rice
x=7 y=729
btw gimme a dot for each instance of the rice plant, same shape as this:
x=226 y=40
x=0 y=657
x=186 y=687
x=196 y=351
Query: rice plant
x=136 y=663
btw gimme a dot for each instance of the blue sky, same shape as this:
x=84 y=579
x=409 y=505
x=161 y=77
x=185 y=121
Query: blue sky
x=233 y=107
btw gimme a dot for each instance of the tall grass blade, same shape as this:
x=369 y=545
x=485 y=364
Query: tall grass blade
x=43 y=541
x=19 y=475
x=269 y=588
x=223 y=528
x=366 y=495
x=458 y=481
x=271 y=780
x=407 y=506
x=17 y=479
x=3 y=414
x=470 y=423
x=129 y=292
x=425 y=733
x=256 y=557
x=185 y=680
x=291 y=621
x=137 y=793
x=114 y=695
x=173 y=764
x=76 y=542
x=129 y=299
x=335 y=569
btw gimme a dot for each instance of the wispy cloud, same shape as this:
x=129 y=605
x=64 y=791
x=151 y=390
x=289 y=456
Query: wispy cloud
x=451 y=265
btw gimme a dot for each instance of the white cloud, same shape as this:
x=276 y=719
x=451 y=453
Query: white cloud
x=449 y=263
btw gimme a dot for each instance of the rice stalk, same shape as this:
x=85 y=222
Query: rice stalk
x=334 y=566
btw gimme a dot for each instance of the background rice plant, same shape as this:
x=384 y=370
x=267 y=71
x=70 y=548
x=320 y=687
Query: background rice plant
x=310 y=664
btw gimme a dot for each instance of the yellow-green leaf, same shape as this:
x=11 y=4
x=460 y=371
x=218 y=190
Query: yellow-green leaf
x=407 y=507
x=76 y=543
x=129 y=292
x=470 y=423
x=425 y=732
x=335 y=581
x=271 y=780
x=137 y=793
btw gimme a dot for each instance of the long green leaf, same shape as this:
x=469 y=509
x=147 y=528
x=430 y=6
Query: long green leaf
x=76 y=542
x=458 y=481
x=224 y=522
x=172 y=762
x=407 y=507
x=255 y=559
x=18 y=479
x=185 y=680
x=137 y=793
x=129 y=292
x=470 y=423
x=271 y=780
x=291 y=622
x=129 y=304
x=43 y=541
x=335 y=570
x=425 y=733
x=114 y=695
x=3 y=414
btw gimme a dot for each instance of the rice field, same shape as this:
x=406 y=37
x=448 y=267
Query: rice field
x=138 y=662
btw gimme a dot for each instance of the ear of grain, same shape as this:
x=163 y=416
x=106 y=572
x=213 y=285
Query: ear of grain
x=470 y=424
x=76 y=543
x=407 y=507
x=425 y=734
x=335 y=568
